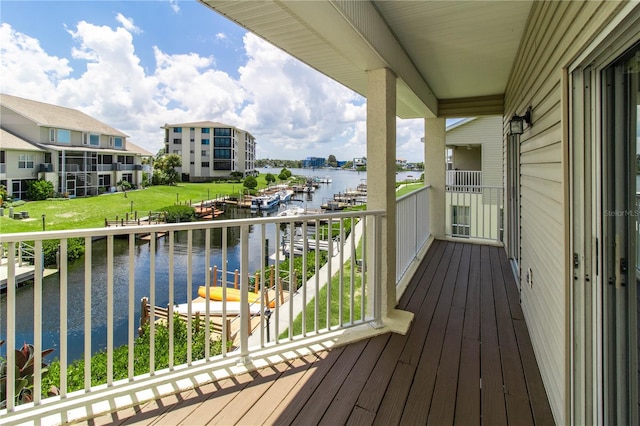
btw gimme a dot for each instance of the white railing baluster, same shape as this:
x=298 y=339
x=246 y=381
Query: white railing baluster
x=263 y=283
x=152 y=304
x=223 y=283
x=305 y=258
x=170 y=321
x=207 y=286
x=341 y=274
x=329 y=276
x=131 y=306
x=363 y=273
x=278 y=285
x=110 y=310
x=37 y=322
x=63 y=316
x=292 y=284
x=244 y=294
x=316 y=307
x=189 y=298
x=87 y=313
x=352 y=261
x=11 y=326
x=377 y=273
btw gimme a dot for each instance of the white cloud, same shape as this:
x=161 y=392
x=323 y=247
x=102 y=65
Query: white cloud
x=19 y=53
x=174 y=5
x=292 y=110
x=221 y=36
x=128 y=24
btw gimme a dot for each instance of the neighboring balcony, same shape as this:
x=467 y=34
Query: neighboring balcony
x=473 y=210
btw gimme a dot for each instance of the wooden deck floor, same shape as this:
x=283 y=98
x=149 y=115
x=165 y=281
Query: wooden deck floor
x=466 y=360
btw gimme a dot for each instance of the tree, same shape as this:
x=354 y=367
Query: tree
x=250 y=182
x=165 y=169
x=270 y=178
x=331 y=161
x=39 y=190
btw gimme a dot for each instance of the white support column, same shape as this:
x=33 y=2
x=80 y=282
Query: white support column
x=381 y=172
x=434 y=173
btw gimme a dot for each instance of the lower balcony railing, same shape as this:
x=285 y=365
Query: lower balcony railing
x=127 y=317
x=474 y=212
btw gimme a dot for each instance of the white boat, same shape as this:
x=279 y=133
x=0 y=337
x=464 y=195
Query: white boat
x=265 y=202
x=293 y=211
x=285 y=195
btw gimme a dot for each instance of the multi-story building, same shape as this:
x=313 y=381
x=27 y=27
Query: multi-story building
x=474 y=206
x=313 y=162
x=209 y=149
x=77 y=153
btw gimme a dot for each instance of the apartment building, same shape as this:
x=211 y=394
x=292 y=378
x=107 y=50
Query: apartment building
x=209 y=149
x=474 y=196
x=79 y=154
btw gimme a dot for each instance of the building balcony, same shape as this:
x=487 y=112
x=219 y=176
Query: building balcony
x=465 y=356
x=463 y=180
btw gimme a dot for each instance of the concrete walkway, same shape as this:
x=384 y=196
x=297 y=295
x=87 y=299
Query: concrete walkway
x=296 y=298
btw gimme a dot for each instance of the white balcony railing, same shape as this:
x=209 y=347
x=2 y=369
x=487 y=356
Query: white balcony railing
x=412 y=228
x=464 y=180
x=94 y=303
x=474 y=212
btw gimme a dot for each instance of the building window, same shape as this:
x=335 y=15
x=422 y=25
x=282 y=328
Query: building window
x=117 y=142
x=205 y=164
x=222 y=132
x=204 y=153
x=177 y=141
x=177 y=130
x=52 y=135
x=222 y=153
x=176 y=151
x=205 y=142
x=25 y=161
x=222 y=165
x=207 y=131
x=460 y=221
x=63 y=136
x=222 y=142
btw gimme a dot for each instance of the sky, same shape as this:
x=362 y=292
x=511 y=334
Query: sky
x=136 y=65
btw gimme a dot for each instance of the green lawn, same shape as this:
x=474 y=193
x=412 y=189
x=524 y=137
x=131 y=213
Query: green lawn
x=90 y=212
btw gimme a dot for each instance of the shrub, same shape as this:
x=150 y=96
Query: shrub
x=176 y=214
x=75 y=372
x=250 y=182
x=38 y=190
x=75 y=250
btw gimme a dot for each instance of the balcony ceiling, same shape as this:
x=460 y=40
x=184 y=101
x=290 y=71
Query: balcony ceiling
x=443 y=52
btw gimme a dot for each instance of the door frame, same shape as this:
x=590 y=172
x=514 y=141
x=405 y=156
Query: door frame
x=586 y=354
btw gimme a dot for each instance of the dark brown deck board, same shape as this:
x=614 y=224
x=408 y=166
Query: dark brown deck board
x=423 y=385
x=493 y=403
x=316 y=406
x=340 y=408
x=467 y=360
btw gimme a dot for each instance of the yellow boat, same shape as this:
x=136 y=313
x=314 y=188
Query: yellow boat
x=233 y=295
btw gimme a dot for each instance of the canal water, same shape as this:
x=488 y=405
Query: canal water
x=341 y=180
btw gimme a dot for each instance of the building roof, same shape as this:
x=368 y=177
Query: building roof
x=131 y=147
x=9 y=141
x=48 y=115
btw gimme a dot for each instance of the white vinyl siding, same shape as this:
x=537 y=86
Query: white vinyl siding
x=557 y=31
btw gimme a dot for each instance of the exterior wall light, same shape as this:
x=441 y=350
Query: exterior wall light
x=516 y=124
